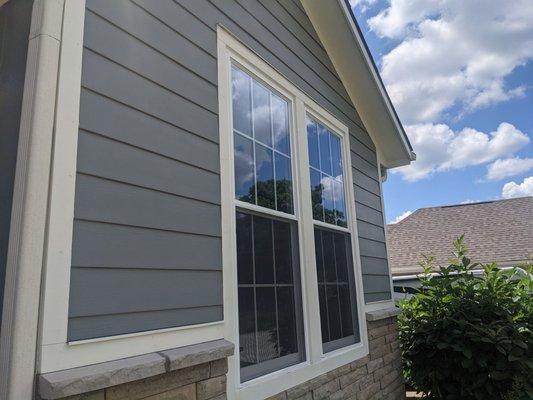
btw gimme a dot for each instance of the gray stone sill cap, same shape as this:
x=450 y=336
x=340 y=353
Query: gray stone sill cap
x=382 y=314
x=55 y=385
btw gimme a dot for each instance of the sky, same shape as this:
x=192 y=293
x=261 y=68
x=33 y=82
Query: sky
x=460 y=75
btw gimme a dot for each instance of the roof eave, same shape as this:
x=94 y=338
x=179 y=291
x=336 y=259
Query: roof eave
x=346 y=47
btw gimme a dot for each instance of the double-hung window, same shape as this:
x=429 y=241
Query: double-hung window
x=288 y=228
x=268 y=279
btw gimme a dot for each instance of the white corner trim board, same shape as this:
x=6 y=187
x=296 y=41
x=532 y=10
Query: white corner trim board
x=28 y=217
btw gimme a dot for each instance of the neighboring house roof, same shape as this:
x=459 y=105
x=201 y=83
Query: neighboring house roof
x=338 y=31
x=495 y=231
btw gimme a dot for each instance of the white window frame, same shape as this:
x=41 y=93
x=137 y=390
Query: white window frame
x=232 y=51
x=54 y=351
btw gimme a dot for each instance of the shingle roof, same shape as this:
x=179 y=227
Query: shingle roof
x=499 y=231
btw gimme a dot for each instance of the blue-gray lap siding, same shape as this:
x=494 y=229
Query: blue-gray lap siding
x=146 y=245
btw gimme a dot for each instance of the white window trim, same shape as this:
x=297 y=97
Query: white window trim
x=231 y=50
x=54 y=351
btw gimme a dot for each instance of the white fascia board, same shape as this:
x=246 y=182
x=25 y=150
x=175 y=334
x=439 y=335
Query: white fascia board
x=346 y=48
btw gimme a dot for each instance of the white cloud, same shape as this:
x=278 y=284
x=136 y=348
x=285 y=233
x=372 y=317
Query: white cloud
x=363 y=5
x=439 y=148
x=505 y=168
x=512 y=189
x=401 y=216
x=452 y=52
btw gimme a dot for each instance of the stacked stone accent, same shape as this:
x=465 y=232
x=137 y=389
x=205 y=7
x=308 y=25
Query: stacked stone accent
x=201 y=382
x=196 y=372
x=378 y=376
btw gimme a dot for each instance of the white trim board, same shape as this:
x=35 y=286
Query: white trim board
x=232 y=51
x=30 y=199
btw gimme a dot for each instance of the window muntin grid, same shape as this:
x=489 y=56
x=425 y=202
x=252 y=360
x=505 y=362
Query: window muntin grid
x=326 y=174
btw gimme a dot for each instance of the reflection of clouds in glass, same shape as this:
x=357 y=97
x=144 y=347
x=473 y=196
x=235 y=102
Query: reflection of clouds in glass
x=329 y=191
x=244 y=166
x=280 y=124
x=240 y=83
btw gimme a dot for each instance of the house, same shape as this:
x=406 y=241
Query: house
x=498 y=231
x=194 y=202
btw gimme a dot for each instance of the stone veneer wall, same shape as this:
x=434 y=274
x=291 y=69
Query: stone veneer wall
x=377 y=376
x=201 y=382
x=198 y=372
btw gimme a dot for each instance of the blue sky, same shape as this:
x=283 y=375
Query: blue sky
x=460 y=75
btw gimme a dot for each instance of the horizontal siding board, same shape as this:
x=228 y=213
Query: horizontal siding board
x=147 y=62
x=376 y=283
x=118 y=203
x=299 y=32
x=137 y=22
x=125 y=124
x=299 y=15
x=362 y=150
x=109 y=325
x=364 y=166
x=101 y=245
x=370 y=231
x=102 y=291
x=110 y=159
x=372 y=248
x=374 y=266
x=368 y=214
x=112 y=80
x=181 y=21
x=367 y=198
x=373 y=297
x=365 y=182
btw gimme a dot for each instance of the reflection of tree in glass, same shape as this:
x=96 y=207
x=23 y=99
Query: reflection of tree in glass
x=265 y=192
x=330 y=215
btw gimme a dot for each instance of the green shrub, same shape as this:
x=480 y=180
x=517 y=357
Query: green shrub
x=469 y=337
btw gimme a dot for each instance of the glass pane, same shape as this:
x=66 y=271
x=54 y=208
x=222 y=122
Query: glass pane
x=327 y=199
x=247 y=339
x=288 y=342
x=283 y=183
x=240 y=84
x=340 y=206
x=323 y=313
x=329 y=257
x=312 y=144
x=346 y=310
x=264 y=256
x=283 y=252
x=325 y=155
x=267 y=334
x=261 y=114
x=316 y=195
x=245 y=266
x=280 y=124
x=336 y=158
x=264 y=169
x=244 y=169
x=325 y=149
x=261 y=126
x=335 y=330
x=340 y=258
x=335 y=292
x=319 y=256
